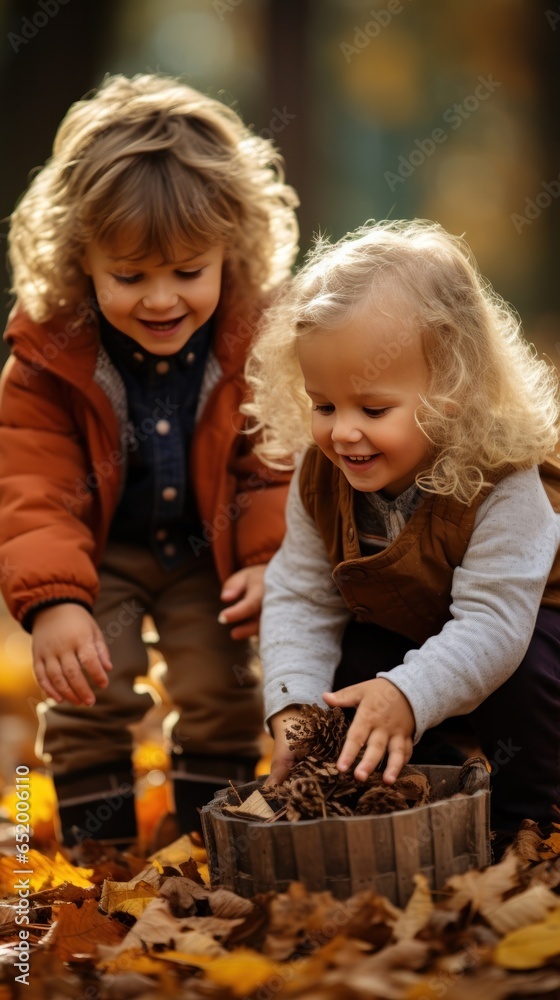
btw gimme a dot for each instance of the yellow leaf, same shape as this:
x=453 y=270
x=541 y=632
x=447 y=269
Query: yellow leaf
x=133 y=960
x=178 y=852
x=242 y=971
x=418 y=911
x=552 y=844
x=42 y=872
x=185 y=958
x=530 y=947
x=42 y=799
x=204 y=873
x=117 y=897
x=423 y=991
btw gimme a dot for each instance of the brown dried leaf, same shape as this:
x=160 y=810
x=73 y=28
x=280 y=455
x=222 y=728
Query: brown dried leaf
x=224 y=903
x=156 y=927
x=417 y=913
x=217 y=927
x=181 y=901
x=526 y=907
x=79 y=930
x=483 y=891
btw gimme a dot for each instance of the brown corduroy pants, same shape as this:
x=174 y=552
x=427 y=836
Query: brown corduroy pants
x=208 y=677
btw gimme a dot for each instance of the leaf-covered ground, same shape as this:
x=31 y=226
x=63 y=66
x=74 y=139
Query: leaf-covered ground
x=113 y=926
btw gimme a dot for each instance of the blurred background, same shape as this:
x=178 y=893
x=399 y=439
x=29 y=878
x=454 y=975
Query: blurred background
x=438 y=109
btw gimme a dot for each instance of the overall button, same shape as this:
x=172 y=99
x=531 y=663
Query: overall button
x=161 y=535
x=355 y=573
x=163 y=427
x=162 y=367
x=137 y=356
x=190 y=357
x=169 y=493
x=350 y=534
x=170 y=549
x=360 y=610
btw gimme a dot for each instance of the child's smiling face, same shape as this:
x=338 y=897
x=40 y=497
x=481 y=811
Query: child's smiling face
x=365 y=379
x=159 y=304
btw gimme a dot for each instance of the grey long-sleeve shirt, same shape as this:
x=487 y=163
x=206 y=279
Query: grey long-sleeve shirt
x=495 y=597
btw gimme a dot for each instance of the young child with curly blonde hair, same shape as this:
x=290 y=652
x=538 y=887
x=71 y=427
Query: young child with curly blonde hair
x=418 y=579
x=142 y=255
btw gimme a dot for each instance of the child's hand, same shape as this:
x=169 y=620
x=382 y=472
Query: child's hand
x=283 y=758
x=247 y=588
x=66 y=642
x=384 y=720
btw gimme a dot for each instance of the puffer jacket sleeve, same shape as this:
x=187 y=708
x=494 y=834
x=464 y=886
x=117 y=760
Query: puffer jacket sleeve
x=262 y=495
x=46 y=541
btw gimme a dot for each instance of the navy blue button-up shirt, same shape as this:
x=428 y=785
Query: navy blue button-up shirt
x=157 y=508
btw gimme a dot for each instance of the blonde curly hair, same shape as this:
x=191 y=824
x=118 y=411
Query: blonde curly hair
x=155 y=163
x=490 y=402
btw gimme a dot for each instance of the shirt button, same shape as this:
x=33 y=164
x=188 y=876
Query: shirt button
x=350 y=534
x=162 y=367
x=190 y=357
x=169 y=493
x=137 y=356
x=169 y=550
x=161 y=535
x=163 y=427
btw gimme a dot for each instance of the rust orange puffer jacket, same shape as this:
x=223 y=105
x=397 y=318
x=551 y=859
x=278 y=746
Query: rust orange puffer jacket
x=62 y=465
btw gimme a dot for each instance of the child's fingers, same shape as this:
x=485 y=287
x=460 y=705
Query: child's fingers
x=280 y=767
x=57 y=677
x=347 y=697
x=373 y=754
x=245 y=630
x=102 y=651
x=75 y=680
x=400 y=752
x=234 y=586
x=89 y=660
x=248 y=607
x=45 y=684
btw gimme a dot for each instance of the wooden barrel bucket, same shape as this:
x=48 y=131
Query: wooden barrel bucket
x=345 y=855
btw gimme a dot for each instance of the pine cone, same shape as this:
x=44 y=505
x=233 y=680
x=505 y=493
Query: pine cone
x=320 y=733
x=306 y=800
x=380 y=799
x=414 y=786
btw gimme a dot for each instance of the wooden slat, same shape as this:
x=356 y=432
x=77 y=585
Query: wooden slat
x=227 y=866
x=284 y=857
x=335 y=848
x=261 y=852
x=361 y=852
x=407 y=852
x=308 y=853
x=442 y=838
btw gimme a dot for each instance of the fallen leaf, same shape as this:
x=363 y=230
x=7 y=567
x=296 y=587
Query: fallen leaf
x=526 y=907
x=483 y=891
x=177 y=852
x=118 y=897
x=417 y=912
x=157 y=927
x=530 y=947
x=131 y=960
x=41 y=872
x=217 y=927
x=243 y=971
x=225 y=903
x=79 y=930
